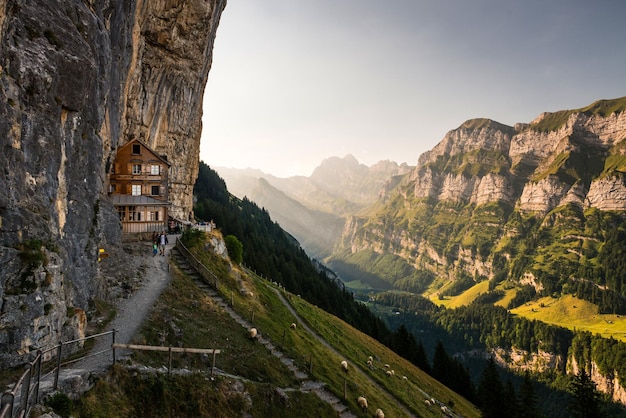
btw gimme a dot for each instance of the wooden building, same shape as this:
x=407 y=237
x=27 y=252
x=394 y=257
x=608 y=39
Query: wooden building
x=139 y=188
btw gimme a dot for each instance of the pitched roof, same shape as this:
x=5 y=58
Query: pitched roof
x=162 y=158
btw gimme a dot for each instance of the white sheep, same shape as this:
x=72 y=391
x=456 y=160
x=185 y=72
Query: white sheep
x=390 y=372
x=253 y=333
x=370 y=364
x=362 y=402
x=293 y=325
x=344 y=366
x=370 y=358
x=379 y=413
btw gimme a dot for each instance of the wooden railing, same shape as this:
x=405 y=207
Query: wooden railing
x=206 y=274
x=171 y=350
x=26 y=389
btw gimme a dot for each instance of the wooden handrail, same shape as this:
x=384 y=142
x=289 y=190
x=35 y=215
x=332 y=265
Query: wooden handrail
x=167 y=349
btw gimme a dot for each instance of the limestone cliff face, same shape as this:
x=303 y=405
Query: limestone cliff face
x=450 y=214
x=171 y=56
x=527 y=156
x=77 y=80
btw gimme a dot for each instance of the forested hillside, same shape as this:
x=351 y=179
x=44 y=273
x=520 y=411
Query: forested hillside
x=274 y=254
x=541 y=204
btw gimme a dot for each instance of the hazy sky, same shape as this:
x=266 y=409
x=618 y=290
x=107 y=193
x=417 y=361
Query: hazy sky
x=294 y=82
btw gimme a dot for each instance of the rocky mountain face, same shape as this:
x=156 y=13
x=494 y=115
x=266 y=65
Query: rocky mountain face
x=537 y=208
x=77 y=80
x=313 y=209
x=472 y=199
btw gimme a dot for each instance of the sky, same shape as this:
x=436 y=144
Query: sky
x=294 y=82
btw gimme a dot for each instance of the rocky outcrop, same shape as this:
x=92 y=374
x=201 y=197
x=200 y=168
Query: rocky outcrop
x=465 y=208
x=609 y=385
x=77 y=80
x=529 y=157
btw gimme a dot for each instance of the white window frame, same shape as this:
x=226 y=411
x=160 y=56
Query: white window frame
x=155 y=169
x=135 y=189
x=136 y=168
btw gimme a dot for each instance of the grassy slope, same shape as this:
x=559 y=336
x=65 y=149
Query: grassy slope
x=185 y=316
x=573 y=313
x=566 y=311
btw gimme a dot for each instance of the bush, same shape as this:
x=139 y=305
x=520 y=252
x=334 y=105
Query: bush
x=61 y=404
x=235 y=248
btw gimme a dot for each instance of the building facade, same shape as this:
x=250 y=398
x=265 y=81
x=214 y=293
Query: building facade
x=138 y=187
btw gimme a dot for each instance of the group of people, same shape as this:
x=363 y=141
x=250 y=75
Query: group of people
x=158 y=243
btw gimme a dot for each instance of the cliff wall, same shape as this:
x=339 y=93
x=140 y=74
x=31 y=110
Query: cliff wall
x=77 y=80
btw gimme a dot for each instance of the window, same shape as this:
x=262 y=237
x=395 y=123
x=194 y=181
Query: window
x=155 y=169
x=136 y=149
x=134 y=214
x=155 y=190
x=136 y=189
x=121 y=211
x=154 y=216
x=136 y=168
x=111 y=188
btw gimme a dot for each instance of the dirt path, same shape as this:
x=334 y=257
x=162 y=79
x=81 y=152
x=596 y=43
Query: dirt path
x=131 y=312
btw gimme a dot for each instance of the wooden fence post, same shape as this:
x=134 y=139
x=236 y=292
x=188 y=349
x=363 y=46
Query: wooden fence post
x=169 y=367
x=56 y=372
x=213 y=365
x=113 y=345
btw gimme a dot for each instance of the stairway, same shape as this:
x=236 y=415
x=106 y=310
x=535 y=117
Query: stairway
x=306 y=385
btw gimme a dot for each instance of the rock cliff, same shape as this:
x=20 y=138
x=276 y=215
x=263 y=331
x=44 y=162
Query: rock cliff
x=77 y=80
x=487 y=187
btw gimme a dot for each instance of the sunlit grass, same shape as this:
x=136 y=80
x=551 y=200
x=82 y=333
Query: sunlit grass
x=575 y=314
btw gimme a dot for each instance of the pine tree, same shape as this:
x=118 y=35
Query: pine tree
x=586 y=400
x=491 y=394
x=528 y=407
x=421 y=360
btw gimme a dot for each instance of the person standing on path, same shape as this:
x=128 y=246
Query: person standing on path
x=162 y=242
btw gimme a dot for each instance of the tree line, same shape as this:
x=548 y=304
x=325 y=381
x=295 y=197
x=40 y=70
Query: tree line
x=484 y=328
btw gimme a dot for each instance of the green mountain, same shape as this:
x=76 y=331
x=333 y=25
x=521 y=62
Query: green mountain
x=540 y=204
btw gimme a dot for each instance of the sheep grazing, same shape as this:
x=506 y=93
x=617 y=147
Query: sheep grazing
x=370 y=364
x=379 y=413
x=390 y=372
x=344 y=366
x=293 y=325
x=370 y=358
x=253 y=333
x=362 y=402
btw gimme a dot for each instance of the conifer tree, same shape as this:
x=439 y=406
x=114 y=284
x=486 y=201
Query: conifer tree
x=586 y=400
x=421 y=360
x=491 y=392
x=528 y=407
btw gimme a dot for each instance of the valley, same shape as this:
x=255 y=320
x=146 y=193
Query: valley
x=529 y=218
